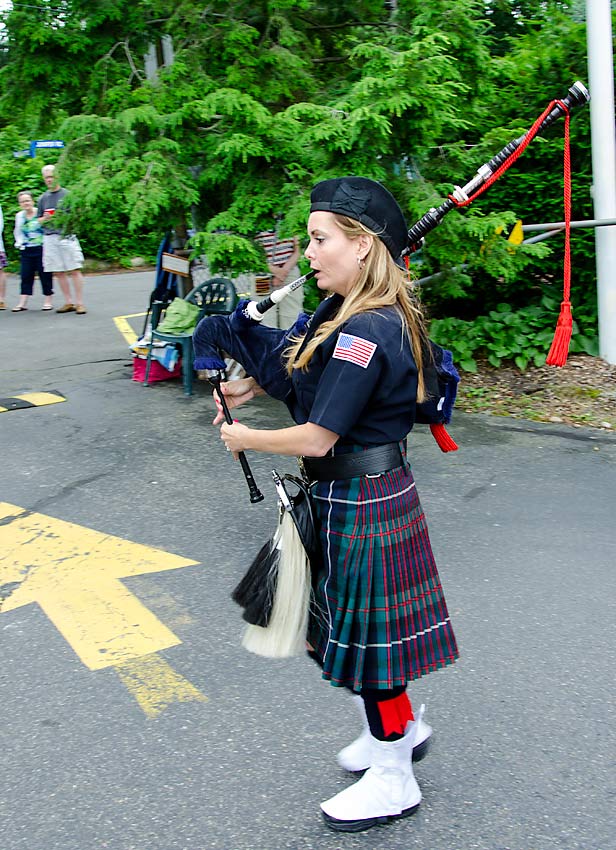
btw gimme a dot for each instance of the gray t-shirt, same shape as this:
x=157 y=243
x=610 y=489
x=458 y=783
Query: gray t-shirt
x=50 y=201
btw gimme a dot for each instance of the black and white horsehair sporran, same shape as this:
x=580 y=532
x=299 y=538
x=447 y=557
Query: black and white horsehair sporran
x=276 y=590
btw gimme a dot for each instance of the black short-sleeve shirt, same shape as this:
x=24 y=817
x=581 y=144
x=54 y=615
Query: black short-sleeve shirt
x=361 y=383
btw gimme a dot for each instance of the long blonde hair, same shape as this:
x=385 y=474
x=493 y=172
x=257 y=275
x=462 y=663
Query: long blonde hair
x=381 y=283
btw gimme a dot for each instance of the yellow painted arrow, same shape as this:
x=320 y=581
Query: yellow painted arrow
x=73 y=573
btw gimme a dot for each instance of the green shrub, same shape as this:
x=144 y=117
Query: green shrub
x=523 y=336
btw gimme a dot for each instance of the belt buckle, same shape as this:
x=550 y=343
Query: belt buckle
x=304 y=472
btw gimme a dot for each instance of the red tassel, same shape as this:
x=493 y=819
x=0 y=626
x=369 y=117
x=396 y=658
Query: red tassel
x=443 y=440
x=557 y=355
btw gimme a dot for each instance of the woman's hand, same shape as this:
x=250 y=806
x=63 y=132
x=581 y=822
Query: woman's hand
x=235 y=437
x=235 y=393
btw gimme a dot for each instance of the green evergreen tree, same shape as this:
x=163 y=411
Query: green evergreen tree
x=264 y=98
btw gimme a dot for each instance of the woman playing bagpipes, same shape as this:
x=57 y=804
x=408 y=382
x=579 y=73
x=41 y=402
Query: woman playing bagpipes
x=378 y=618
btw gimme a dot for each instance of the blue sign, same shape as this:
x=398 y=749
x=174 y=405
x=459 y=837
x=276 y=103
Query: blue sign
x=45 y=143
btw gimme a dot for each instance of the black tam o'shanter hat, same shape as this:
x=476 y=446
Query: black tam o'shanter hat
x=365 y=201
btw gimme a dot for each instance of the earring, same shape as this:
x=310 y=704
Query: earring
x=360 y=262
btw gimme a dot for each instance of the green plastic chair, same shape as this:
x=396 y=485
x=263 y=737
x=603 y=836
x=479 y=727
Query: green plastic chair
x=216 y=296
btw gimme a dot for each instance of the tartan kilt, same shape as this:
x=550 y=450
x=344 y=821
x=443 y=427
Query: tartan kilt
x=379 y=617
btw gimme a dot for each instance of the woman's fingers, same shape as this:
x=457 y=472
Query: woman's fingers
x=234 y=436
x=220 y=417
x=235 y=393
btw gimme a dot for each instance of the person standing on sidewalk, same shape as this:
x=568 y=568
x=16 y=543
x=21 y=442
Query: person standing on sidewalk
x=62 y=254
x=2 y=266
x=29 y=240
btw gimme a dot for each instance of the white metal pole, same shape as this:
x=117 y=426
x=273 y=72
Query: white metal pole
x=603 y=135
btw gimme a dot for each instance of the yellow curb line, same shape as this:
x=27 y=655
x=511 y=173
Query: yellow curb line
x=124 y=327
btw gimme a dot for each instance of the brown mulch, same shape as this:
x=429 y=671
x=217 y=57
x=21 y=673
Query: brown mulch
x=582 y=393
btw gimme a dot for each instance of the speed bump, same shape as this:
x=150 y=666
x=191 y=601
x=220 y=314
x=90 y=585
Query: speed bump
x=20 y=402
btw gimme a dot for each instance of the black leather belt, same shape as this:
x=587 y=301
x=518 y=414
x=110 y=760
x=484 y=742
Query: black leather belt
x=353 y=464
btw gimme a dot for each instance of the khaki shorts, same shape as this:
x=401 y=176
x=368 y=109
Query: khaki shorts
x=61 y=253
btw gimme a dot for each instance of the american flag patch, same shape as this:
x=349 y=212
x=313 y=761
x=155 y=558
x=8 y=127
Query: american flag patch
x=354 y=349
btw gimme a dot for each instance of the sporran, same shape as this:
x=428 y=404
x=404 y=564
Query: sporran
x=276 y=590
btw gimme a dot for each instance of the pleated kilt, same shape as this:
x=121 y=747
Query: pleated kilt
x=379 y=618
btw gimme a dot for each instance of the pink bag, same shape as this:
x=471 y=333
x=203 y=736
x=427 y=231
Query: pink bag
x=157 y=371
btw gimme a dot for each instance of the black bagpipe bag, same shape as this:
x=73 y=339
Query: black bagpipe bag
x=259 y=349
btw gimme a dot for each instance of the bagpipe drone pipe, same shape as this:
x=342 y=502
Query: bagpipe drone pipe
x=490 y=172
x=275 y=592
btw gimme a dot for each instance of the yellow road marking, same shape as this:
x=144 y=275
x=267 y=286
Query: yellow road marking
x=155 y=685
x=73 y=573
x=124 y=327
x=41 y=398
x=35 y=399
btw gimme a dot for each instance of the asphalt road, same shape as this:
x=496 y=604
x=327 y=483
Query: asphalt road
x=522 y=521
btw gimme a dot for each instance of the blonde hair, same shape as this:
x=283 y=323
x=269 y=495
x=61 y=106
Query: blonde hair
x=381 y=283
x=48 y=169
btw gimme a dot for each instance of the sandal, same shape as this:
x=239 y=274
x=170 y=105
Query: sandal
x=19 y=309
x=47 y=307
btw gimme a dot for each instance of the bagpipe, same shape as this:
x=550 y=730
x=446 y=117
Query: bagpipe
x=275 y=592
